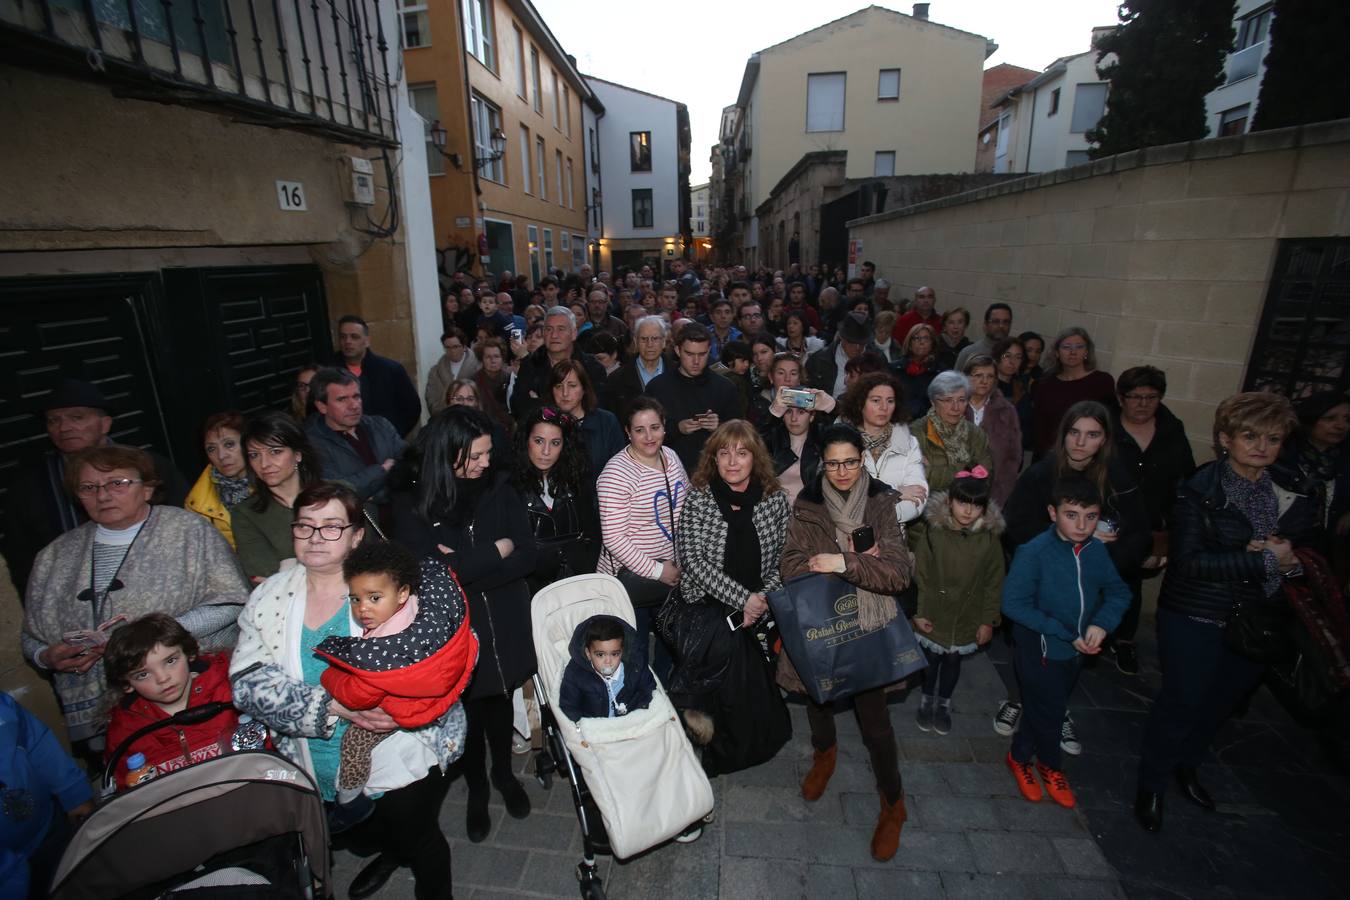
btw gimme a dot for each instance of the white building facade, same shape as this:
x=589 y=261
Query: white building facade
x=1230 y=108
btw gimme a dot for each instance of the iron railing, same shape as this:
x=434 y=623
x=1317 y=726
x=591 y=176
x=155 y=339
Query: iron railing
x=319 y=65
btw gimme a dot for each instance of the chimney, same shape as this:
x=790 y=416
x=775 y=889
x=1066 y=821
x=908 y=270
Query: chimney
x=921 y=11
x=1100 y=32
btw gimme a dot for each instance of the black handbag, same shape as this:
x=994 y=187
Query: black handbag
x=1260 y=631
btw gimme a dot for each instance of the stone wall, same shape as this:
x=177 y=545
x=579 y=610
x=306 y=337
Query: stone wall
x=1163 y=254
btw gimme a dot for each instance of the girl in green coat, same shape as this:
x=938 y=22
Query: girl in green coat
x=959 y=569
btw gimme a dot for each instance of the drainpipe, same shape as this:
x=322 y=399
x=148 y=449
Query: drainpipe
x=599 y=192
x=1031 y=130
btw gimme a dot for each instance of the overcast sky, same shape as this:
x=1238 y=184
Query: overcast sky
x=695 y=52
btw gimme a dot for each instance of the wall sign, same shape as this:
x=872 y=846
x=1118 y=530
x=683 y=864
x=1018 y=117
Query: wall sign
x=291 y=196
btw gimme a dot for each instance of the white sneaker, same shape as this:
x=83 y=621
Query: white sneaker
x=1068 y=738
x=1006 y=719
x=520 y=745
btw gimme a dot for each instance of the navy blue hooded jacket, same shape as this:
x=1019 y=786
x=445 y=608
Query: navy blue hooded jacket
x=583 y=693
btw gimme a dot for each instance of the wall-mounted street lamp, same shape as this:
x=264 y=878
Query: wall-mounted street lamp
x=440 y=137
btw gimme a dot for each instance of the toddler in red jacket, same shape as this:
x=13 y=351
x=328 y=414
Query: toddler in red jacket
x=154 y=662
x=413 y=659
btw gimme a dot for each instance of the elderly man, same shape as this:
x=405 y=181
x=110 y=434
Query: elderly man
x=696 y=399
x=921 y=313
x=458 y=362
x=560 y=343
x=38 y=508
x=599 y=321
x=881 y=295
x=997 y=325
x=354 y=448
x=825 y=367
x=386 y=389
x=632 y=378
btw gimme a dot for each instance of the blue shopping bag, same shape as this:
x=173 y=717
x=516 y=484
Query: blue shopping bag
x=817 y=618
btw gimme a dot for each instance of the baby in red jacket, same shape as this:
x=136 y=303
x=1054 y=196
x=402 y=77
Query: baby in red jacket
x=413 y=659
x=154 y=662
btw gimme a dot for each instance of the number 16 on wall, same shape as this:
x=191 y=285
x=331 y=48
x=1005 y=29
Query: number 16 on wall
x=291 y=196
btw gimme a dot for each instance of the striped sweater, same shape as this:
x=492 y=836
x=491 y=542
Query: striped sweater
x=635 y=513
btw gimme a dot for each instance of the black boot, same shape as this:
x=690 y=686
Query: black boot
x=477 y=822
x=372 y=877
x=1148 y=810
x=513 y=795
x=1192 y=789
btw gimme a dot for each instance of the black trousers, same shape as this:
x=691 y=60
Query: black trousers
x=944 y=670
x=1129 y=623
x=489 y=738
x=405 y=825
x=1046 y=686
x=874 y=720
x=1202 y=683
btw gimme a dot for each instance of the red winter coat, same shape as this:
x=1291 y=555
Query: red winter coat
x=176 y=748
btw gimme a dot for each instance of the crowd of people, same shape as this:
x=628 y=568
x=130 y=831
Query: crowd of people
x=704 y=438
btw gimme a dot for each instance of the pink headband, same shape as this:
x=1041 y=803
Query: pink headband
x=977 y=472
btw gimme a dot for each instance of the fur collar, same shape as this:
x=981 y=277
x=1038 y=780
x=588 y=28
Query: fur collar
x=938 y=514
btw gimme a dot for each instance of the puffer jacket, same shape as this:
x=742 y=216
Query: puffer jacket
x=1209 y=568
x=176 y=748
x=1161 y=468
x=416 y=674
x=901 y=464
x=959 y=572
x=583 y=693
x=205 y=501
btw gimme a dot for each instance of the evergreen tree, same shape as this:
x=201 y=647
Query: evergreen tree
x=1169 y=55
x=1306 y=76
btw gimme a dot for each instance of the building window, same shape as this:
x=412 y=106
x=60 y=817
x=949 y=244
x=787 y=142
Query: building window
x=548 y=250
x=525 y=169
x=1076 y=158
x=888 y=84
x=539 y=165
x=642 y=208
x=640 y=151
x=416 y=24
x=1234 y=121
x=578 y=252
x=1253 y=28
x=557 y=177
x=535 y=81
x=1089 y=103
x=699 y=226
x=478 y=31
x=522 y=87
x=570 y=198
x=1054 y=103
x=825 y=102
x=557 y=101
x=567 y=110
x=532 y=233
x=595 y=153
x=422 y=98
x=883 y=165
x=487 y=118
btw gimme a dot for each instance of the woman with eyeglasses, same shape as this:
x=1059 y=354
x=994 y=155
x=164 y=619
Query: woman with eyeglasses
x=552 y=473
x=916 y=368
x=843 y=498
x=277 y=679
x=1070 y=377
x=128 y=560
x=450 y=501
x=281 y=465
x=300 y=407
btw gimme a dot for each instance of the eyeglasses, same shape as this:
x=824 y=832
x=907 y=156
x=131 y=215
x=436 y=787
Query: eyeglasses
x=834 y=465
x=304 y=531
x=1142 y=398
x=1073 y=348
x=115 y=488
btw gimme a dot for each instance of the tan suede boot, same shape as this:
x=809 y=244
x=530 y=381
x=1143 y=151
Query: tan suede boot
x=822 y=767
x=886 y=839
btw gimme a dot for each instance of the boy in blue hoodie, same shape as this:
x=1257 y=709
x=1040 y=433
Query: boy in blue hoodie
x=607 y=675
x=1064 y=597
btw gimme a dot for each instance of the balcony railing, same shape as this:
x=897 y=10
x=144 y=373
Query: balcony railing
x=1246 y=62
x=317 y=65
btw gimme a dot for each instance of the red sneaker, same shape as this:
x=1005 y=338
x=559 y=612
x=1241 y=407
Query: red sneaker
x=1026 y=779
x=1056 y=785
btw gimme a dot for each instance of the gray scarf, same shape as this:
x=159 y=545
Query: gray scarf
x=875 y=611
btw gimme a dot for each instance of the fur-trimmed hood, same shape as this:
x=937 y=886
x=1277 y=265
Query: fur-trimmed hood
x=939 y=515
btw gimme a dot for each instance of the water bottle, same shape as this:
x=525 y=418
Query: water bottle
x=137 y=771
x=250 y=735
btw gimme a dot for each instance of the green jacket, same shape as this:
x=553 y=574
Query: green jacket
x=942 y=471
x=959 y=573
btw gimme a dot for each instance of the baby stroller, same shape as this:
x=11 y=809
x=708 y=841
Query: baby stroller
x=639 y=770
x=244 y=825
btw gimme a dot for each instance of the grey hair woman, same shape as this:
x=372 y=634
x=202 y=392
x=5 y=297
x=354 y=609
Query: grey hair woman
x=950 y=442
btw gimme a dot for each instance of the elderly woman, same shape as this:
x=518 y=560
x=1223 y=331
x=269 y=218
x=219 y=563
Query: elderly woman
x=574 y=394
x=450 y=502
x=997 y=418
x=952 y=337
x=1070 y=377
x=917 y=367
x=950 y=441
x=843 y=498
x=128 y=560
x=276 y=677
x=1226 y=553
x=797 y=338
x=491 y=379
x=281 y=465
x=883 y=344
x=224 y=482
x=873 y=406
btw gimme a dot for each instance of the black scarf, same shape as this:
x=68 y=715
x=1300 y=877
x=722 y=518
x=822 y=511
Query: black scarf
x=741 y=557
x=468 y=491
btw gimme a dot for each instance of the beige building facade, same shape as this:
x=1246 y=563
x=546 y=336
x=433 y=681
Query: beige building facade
x=1199 y=258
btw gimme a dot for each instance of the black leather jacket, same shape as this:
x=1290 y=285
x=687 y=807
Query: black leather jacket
x=567 y=537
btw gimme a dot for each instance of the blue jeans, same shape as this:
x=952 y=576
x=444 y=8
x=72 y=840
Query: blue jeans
x=1203 y=682
x=1046 y=686
x=659 y=659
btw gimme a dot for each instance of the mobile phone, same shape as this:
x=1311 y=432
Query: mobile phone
x=517 y=335
x=82 y=638
x=735 y=621
x=863 y=539
x=798 y=398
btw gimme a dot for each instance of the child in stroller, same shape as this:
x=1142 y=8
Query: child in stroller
x=413 y=659
x=607 y=675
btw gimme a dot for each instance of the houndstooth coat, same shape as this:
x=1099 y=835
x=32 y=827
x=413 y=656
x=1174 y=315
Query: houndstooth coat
x=701 y=540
